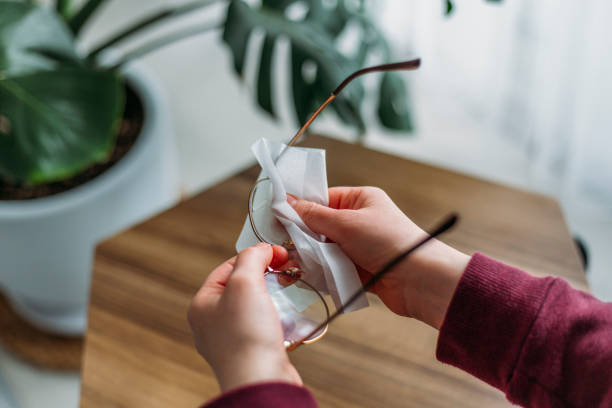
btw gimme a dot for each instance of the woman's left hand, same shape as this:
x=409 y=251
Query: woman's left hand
x=235 y=325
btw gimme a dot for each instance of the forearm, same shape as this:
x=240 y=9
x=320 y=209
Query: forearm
x=432 y=276
x=537 y=339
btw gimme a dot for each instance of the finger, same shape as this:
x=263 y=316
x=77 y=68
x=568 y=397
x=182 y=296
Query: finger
x=287 y=265
x=280 y=256
x=252 y=262
x=286 y=280
x=356 y=198
x=319 y=218
x=217 y=279
x=364 y=275
x=342 y=198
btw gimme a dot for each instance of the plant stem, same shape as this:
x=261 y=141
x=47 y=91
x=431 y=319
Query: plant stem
x=77 y=22
x=148 y=21
x=164 y=41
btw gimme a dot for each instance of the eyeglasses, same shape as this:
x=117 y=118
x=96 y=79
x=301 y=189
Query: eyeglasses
x=303 y=310
x=308 y=330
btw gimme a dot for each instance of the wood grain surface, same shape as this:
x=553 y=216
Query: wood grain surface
x=139 y=350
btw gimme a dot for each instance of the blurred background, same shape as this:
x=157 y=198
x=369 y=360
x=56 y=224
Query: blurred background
x=514 y=92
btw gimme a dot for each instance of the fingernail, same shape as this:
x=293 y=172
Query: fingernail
x=262 y=244
x=291 y=200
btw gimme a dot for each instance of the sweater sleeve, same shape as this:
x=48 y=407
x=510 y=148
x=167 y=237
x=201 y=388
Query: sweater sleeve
x=268 y=395
x=538 y=340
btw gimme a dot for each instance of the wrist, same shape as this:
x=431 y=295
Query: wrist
x=256 y=367
x=434 y=274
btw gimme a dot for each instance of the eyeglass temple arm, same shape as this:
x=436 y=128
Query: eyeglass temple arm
x=447 y=224
x=396 y=66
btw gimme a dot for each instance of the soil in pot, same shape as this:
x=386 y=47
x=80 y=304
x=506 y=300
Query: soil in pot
x=129 y=130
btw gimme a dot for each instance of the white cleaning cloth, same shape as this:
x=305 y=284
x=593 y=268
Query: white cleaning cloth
x=301 y=172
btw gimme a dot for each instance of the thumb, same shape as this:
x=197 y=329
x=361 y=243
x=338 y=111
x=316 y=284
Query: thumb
x=251 y=263
x=319 y=218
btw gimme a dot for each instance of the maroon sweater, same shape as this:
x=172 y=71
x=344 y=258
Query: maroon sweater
x=538 y=340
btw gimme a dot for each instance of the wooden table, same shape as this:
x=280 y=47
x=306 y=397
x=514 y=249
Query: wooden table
x=139 y=350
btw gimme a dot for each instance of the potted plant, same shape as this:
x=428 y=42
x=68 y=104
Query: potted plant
x=82 y=135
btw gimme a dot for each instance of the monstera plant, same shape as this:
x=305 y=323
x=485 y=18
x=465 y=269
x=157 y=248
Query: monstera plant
x=60 y=109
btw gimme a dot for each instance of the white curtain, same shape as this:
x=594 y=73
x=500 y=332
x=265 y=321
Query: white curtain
x=525 y=86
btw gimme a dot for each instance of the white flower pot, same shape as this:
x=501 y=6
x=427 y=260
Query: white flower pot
x=47 y=244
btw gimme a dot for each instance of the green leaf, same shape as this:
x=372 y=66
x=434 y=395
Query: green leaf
x=448 y=9
x=264 y=79
x=236 y=36
x=304 y=95
x=24 y=27
x=63 y=7
x=333 y=21
x=78 y=21
x=449 y=6
x=59 y=57
x=393 y=109
x=57 y=123
x=311 y=46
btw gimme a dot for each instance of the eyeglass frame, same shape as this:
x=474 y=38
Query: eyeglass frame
x=295 y=273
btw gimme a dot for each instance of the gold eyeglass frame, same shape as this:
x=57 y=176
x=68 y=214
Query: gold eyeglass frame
x=295 y=273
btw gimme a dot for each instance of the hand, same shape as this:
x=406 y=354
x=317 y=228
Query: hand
x=235 y=325
x=372 y=231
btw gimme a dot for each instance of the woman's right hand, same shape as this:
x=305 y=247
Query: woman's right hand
x=372 y=231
